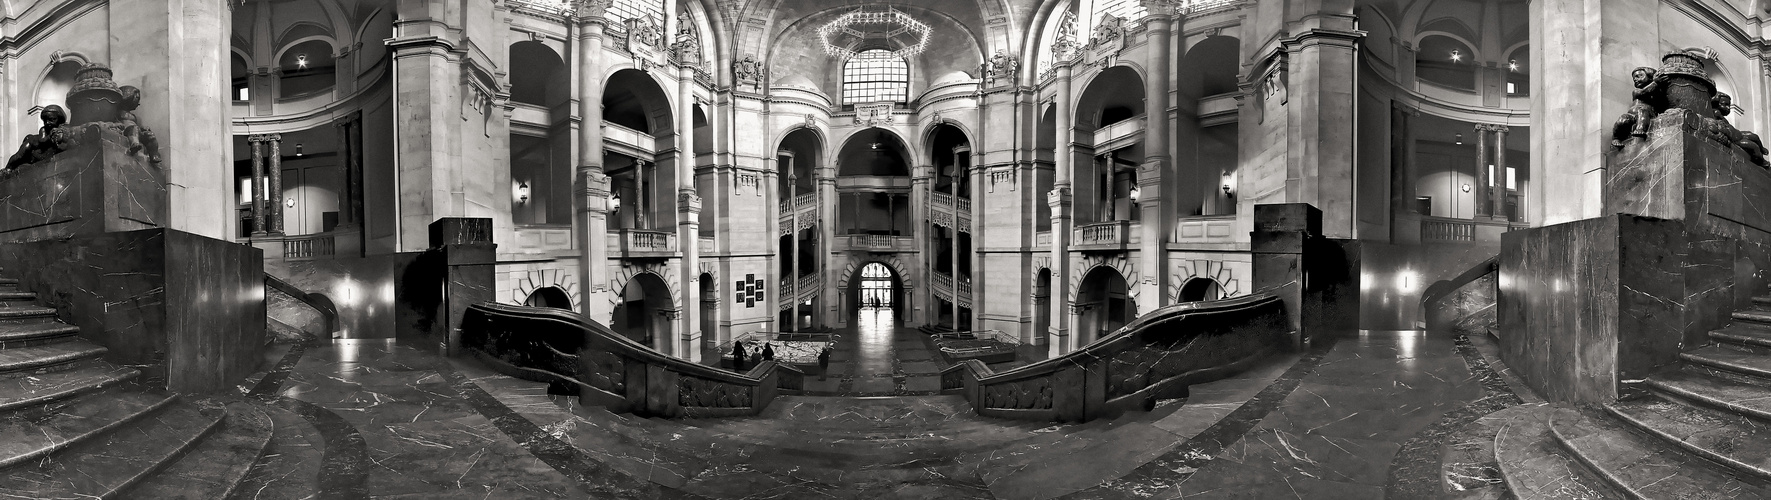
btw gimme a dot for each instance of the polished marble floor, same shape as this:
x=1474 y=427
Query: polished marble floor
x=1339 y=421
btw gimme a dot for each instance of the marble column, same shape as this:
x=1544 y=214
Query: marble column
x=347 y=196
x=1484 y=173
x=1155 y=198
x=275 y=193
x=688 y=220
x=176 y=52
x=258 y=185
x=1500 y=172
x=1581 y=56
x=827 y=205
x=591 y=185
x=1058 y=334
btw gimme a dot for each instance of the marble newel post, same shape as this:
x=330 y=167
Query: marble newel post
x=688 y=221
x=1156 y=198
x=1059 y=198
x=257 y=190
x=592 y=187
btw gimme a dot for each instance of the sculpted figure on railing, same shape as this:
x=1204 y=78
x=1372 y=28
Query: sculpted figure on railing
x=95 y=101
x=51 y=139
x=1682 y=85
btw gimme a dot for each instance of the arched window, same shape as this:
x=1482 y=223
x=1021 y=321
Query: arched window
x=875 y=75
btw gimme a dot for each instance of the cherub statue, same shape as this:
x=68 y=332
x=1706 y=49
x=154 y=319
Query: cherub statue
x=1723 y=104
x=140 y=137
x=51 y=139
x=1649 y=93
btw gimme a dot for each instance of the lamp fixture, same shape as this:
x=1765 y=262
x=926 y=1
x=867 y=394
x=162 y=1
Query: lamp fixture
x=301 y=61
x=289 y=202
x=523 y=192
x=1466 y=187
x=297 y=149
x=1133 y=194
x=614 y=202
x=865 y=27
x=1227 y=190
x=1513 y=65
x=1456 y=55
x=1460 y=139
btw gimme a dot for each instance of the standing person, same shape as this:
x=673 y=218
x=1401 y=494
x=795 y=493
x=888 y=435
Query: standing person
x=768 y=351
x=738 y=356
x=823 y=361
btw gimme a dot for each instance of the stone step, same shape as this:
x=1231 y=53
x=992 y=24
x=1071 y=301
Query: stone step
x=17 y=296
x=1733 y=360
x=105 y=466
x=24 y=360
x=1642 y=467
x=216 y=465
x=1536 y=467
x=1732 y=440
x=23 y=313
x=27 y=334
x=1757 y=338
x=289 y=468
x=93 y=375
x=29 y=434
x=1753 y=316
x=1763 y=300
x=1714 y=392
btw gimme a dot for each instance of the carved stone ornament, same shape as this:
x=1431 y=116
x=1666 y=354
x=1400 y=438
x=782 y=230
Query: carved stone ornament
x=1110 y=28
x=1682 y=84
x=1066 y=40
x=645 y=31
x=49 y=140
x=588 y=9
x=873 y=115
x=748 y=71
x=1001 y=67
x=94 y=101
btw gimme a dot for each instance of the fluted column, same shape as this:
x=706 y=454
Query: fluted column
x=592 y=186
x=1156 y=198
x=258 y=220
x=688 y=220
x=1058 y=336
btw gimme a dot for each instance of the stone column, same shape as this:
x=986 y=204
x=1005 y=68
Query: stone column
x=348 y=195
x=275 y=193
x=1155 y=197
x=1318 y=73
x=591 y=185
x=792 y=282
x=1585 y=51
x=258 y=186
x=920 y=181
x=827 y=205
x=176 y=52
x=953 y=243
x=1484 y=174
x=688 y=220
x=1500 y=172
x=1058 y=334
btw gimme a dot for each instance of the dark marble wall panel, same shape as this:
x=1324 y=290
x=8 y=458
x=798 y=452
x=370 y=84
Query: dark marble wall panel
x=466 y=244
x=1555 y=332
x=384 y=296
x=1650 y=293
x=1398 y=277
x=189 y=307
x=94 y=187
x=215 y=314
x=1331 y=280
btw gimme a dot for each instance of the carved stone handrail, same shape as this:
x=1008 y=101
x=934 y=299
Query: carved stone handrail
x=608 y=369
x=638 y=243
x=1155 y=357
x=941 y=211
x=1444 y=229
x=1116 y=235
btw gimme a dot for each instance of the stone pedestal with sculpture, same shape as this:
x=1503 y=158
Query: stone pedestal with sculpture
x=83 y=226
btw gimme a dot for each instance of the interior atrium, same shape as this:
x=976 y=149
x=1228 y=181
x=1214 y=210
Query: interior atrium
x=917 y=249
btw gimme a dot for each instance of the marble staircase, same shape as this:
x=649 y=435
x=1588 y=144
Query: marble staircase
x=75 y=426
x=1701 y=430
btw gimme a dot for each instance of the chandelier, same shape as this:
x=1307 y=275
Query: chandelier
x=890 y=27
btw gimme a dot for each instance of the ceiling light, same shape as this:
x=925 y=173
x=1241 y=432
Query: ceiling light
x=1513 y=64
x=301 y=61
x=1456 y=56
x=297 y=149
x=1460 y=139
x=891 y=27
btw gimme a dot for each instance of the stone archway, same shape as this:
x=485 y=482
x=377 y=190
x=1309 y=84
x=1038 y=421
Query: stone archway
x=549 y=296
x=1103 y=304
x=644 y=311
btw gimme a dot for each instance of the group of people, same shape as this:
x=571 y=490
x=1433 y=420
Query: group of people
x=767 y=353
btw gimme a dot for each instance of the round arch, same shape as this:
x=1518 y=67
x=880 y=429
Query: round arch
x=643 y=311
x=863 y=142
x=1119 y=86
x=876 y=284
x=1199 y=289
x=549 y=296
x=934 y=128
x=1104 y=304
x=633 y=99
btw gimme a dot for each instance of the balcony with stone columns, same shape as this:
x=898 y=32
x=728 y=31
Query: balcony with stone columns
x=807 y=206
x=1113 y=236
x=941 y=211
x=808 y=287
x=875 y=243
x=943 y=287
x=642 y=244
x=627 y=141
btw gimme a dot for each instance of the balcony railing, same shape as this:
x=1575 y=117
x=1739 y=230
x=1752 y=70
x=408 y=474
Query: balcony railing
x=941 y=212
x=806 y=204
x=1111 y=136
x=642 y=243
x=308 y=247
x=628 y=137
x=1112 y=236
x=1442 y=229
x=1205 y=229
x=880 y=243
x=943 y=285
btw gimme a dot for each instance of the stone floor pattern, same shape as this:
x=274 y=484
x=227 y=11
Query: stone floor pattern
x=376 y=418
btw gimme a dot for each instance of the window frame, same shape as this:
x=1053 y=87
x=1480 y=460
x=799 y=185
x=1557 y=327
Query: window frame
x=879 y=80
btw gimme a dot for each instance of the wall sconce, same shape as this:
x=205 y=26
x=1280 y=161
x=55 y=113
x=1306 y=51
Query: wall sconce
x=1466 y=187
x=1133 y=194
x=289 y=202
x=297 y=149
x=1460 y=139
x=1229 y=180
x=523 y=192
x=614 y=202
x=1227 y=190
x=1512 y=65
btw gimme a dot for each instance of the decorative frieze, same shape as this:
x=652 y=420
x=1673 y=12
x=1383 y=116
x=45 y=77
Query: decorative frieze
x=873 y=115
x=749 y=71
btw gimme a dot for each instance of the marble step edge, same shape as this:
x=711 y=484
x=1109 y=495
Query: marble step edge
x=8 y=281
x=1743 y=363
x=293 y=441
x=177 y=410
x=1565 y=423
x=1622 y=410
x=1762 y=300
x=221 y=458
x=49 y=355
x=26 y=311
x=1757 y=337
x=164 y=402
x=26 y=332
x=98 y=376
x=1677 y=389
x=15 y=295
x=1527 y=440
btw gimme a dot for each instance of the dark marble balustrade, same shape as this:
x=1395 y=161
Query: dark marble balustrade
x=189 y=307
x=1155 y=357
x=93 y=187
x=607 y=369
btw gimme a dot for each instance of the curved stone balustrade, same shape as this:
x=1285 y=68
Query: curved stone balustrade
x=607 y=369
x=1155 y=357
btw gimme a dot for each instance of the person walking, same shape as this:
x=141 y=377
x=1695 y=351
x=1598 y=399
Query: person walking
x=768 y=351
x=738 y=356
x=823 y=362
